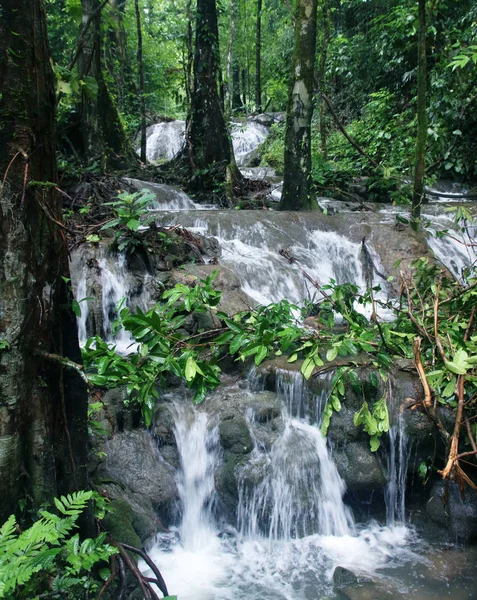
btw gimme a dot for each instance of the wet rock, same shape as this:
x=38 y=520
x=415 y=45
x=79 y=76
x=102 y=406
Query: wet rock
x=360 y=468
x=343 y=577
x=458 y=515
x=235 y=436
x=133 y=462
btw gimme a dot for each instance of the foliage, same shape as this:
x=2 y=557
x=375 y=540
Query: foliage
x=164 y=347
x=48 y=558
x=130 y=210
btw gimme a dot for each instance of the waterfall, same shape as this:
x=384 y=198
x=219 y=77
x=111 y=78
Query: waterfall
x=101 y=281
x=165 y=140
x=198 y=446
x=293 y=528
x=302 y=492
x=397 y=463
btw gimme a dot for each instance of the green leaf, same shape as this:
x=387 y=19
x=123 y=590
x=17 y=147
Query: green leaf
x=374 y=443
x=332 y=353
x=190 y=369
x=307 y=367
x=133 y=224
x=261 y=354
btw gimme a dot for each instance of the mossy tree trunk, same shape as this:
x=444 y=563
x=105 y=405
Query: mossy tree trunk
x=325 y=40
x=258 y=59
x=209 y=146
x=117 y=58
x=104 y=138
x=297 y=188
x=421 y=140
x=43 y=408
x=140 y=68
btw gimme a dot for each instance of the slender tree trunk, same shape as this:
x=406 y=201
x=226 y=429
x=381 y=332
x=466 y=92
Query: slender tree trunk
x=190 y=53
x=297 y=188
x=211 y=157
x=258 y=59
x=325 y=40
x=104 y=137
x=229 y=61
x=236 y=99
x=244 y=86
x=421 y=140
x=140 y=68
x=117 y=58
x=43 y=408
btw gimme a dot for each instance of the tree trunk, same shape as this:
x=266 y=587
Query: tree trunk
x=325 y=40
x=43 y=408
x=236 y=99
x=104 y=137
x=210 y=148
x=190 y=53
x=140 y=68
x=297 y=189
x=421 y=140
x=258 y=59
x=116 y=56
x=230 y=61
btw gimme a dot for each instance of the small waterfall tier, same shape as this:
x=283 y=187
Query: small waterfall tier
x=292 y=527
x=165 y=140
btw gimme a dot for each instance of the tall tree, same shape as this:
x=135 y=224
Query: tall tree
x=43 y=407
x=104 y=137
x=258 y=59
x=421 y=140
x=325 y=40
x=232 y=90
x=297 y=190
x=140 y=68
x=209 y=146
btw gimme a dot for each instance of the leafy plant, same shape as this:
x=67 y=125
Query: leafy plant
x=48 y=558
x=130 y=211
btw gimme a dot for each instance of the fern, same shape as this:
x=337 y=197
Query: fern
x=49 y=551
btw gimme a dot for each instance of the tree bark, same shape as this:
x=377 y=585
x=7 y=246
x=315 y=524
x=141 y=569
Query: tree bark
x=421 y=140
x=258 y=59
x=325 y=40
x=140 y=68
x=43 y=408
x=297 y=188
x=211 y=157
x=104 y=137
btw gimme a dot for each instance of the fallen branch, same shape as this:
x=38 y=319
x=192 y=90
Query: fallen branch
x=428 y=405
x=66 y=362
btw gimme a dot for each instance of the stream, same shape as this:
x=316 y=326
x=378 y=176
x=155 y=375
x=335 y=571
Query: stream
x=293 y=524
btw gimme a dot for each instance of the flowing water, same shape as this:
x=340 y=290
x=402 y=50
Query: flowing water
x=165 y=140
x=293 y=528
x=101 y=283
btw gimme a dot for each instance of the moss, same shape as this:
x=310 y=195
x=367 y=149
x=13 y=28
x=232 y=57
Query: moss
x=119 y=523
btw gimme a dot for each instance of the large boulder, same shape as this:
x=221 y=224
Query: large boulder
x=134 y=464
x=457 y=514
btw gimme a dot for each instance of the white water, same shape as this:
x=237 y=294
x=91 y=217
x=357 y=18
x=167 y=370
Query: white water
x=251 y=249
x=293 y=527
x=398 y=461
x=102 y=281
x=165 y=140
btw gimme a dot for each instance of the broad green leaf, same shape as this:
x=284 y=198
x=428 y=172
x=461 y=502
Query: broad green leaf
x=190 y=369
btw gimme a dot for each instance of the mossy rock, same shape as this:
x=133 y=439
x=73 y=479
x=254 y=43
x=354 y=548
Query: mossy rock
x=118 y=522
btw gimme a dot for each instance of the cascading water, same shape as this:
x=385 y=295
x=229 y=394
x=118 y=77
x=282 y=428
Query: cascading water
x=101 y=281
x=165 y=140
x=398 y=461
x=293 y=527
x=250 y=246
